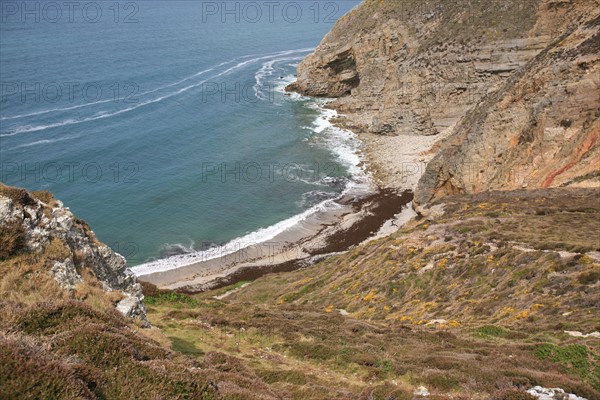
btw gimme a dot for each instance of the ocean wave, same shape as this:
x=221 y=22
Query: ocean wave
x=102 y=115
x=254 y=238
x=185 y=79
x=337 y=183
x=266 y=70
x=315 y=197
x=175 y=249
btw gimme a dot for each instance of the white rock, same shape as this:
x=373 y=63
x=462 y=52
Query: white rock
x=32 y=213
x=5 y=208
x=65 y=274
x=543 y=393
x=594 y=334
x=437 y=321
x=421 y=391
x=128 y=305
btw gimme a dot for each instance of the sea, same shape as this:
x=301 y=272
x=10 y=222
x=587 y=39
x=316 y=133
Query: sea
x=164 y=124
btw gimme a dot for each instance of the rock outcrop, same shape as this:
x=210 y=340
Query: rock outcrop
x=514 y=84
x=540 y=130
x=400 y=67
x=40 y=224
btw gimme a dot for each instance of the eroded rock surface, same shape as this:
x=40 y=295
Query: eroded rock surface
x=52 y=227
x=512 y=85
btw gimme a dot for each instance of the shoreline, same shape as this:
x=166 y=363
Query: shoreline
x=390 y=166
x=357 y=220
x=394 y=161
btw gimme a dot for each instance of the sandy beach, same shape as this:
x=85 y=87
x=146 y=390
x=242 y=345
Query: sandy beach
x=395 y=163
x=325 y=233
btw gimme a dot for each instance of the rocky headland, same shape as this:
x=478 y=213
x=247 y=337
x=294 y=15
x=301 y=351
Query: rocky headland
x=38 y=230
x=503 y=94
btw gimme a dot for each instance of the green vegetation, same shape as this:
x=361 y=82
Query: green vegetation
x=576 y=358
x=494 y=331
x=172 y=298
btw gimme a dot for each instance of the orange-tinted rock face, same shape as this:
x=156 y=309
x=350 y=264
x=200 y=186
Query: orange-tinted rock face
x=540 y=130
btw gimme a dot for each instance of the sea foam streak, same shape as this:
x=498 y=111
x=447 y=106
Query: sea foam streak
x=71 y=121
x=52 y=110
x=342 y=143
x=45 y=141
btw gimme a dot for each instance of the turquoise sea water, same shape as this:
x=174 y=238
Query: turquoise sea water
x=163 y=124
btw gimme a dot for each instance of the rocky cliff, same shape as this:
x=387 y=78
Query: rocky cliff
x=36 y=228
x=498 y=70
x=539 y=130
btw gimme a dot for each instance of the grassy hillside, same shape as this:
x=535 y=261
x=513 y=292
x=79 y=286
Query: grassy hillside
x=473 y=302
x=500 y=257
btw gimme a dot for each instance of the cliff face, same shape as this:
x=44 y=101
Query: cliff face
x=416 y=67
x=497 y=70
x=37 y=225
x=539 y=130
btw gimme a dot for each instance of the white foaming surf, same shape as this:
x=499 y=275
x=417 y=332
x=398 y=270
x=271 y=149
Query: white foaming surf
x=344 y=144
x=262 y=235
x=266 y=70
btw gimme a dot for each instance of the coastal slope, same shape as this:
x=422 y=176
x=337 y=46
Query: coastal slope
x=472 y=302
x=73 y=321
x=496 y=294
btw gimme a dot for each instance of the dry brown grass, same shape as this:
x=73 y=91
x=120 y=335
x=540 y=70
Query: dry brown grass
x=12 y=238
x=18 y=195
x=26 y=279
x=91 y=292
x=56 y=250
x=45 y=197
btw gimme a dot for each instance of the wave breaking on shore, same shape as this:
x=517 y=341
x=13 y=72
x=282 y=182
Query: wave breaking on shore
x=343 y=144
